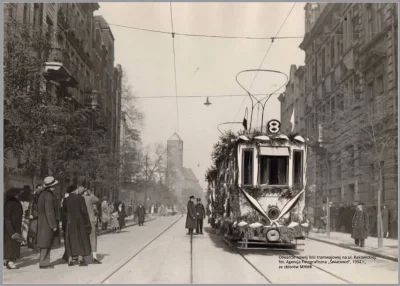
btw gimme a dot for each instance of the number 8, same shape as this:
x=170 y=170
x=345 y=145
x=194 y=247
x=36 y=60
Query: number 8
x=274 y=126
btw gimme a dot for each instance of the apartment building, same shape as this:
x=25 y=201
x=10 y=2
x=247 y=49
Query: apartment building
x=350 y=69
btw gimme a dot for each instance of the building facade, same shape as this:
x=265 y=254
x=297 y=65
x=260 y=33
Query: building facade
x=78 y=67
x=350 y=80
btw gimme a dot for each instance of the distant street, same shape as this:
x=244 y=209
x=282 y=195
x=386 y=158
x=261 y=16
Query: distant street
x=132 y=257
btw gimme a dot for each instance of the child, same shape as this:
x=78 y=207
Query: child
x=114 y=220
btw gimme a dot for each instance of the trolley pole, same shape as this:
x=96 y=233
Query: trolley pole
x=328 y=218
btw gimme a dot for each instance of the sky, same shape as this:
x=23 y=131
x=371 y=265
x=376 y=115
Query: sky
x=204 y=66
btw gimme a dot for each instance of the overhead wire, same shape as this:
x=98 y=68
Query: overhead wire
x=203 y=96
x=266 y=54
x=176 y=84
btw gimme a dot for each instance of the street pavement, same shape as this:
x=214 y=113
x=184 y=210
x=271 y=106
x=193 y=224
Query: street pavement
x=390 y=249
x=160 y=252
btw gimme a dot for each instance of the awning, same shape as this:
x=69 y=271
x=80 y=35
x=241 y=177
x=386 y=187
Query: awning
x=274 y=151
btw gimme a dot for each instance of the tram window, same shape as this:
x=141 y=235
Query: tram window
x=273 y=170
x=298 y=168
x=248 y=167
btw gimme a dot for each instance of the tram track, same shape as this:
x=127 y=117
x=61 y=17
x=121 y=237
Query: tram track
x=104 y=281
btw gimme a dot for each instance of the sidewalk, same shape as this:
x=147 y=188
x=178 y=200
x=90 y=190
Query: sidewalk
x=388 y=251
x=25 y=251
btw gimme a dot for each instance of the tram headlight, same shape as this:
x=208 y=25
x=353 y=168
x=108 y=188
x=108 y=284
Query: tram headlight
x=273 y=212
x=273 y=235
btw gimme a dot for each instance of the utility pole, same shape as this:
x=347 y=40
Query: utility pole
x=328 y=217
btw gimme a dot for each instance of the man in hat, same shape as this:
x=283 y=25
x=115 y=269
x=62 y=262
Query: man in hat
x=191 y=222
x=91 y=204
x=360 y=224
x=200 y=215
x=48 y=220
x=141 y=212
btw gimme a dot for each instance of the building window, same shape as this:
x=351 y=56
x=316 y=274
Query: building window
x=381 y=88
x=273 y=170
x=248 y=167
x=332 y=52
x=298 y=168
x=332 y=102
x=26 y=15
x=370 y=21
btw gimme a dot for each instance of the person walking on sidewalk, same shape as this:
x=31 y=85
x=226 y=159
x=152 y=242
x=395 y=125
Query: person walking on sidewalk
x=121 y=215
x=360 y=224
x=114 y=224
x=105 y=216
x=64 y=216
x=48 y=222
x=141 y=213
x=78 y=227
x=200 y=216
x=322 y=219
x=91 y=205
x=130 y=211
x=33 y=217
x=385 y=221
x=13 y=213
x=191 y=216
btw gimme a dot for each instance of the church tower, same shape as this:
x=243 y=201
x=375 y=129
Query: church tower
x=174 y=152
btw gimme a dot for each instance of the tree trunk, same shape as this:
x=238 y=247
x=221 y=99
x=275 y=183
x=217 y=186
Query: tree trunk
x=379 y=219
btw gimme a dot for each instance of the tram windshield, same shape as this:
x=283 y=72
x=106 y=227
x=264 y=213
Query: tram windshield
x=273 y=170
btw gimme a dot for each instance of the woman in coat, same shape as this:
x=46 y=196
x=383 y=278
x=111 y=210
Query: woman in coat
x=191 y=222
x=12 y=229
x=105 y=216
x=141 y=212
x=121 y=215
x=360 y=224
x=114 y=219
x=33 y=218
x=78 y=227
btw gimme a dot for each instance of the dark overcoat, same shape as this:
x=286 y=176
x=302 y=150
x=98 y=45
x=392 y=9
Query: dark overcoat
x=78 y=226
x=140 y=212
x=12 y=224
x=200 y=211
x=191 y=222
x=360 y=225
x=121 y=216
x=48 y=219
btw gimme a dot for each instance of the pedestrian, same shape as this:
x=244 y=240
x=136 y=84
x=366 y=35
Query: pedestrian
x=25 y=198
x=78 y=227
x=105 y=217
x=91 y=205
x=360 y=224
x=13 y=213
x=191 y=216
x=141 y=212
x=121 y=215
x=33 y=217
x=64 y=217
x=385 y=221
x=200 y=216
x=114 y=224
x=48 y=222
x=130 y=211
x=322 y=219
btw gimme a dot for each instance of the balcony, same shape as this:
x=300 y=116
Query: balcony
x=61 y=69
x=93 y=99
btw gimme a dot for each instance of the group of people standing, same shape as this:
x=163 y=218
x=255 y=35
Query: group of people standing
x=195 y=216
x=112 y=214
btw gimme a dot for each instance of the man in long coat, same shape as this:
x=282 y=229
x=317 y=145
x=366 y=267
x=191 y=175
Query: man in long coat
x=12 y=228
x=200 y=216
x=191 y=222
x=48 y=222
x=78 y=227
x=91 y=204
x=33 y=217
x=64 y=217
x=141 y=212
x=360 y=224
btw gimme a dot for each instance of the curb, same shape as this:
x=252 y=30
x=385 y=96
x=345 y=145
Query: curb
x=25 y=252
x=388 y=257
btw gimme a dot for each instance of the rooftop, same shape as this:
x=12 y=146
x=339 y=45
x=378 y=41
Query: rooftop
x=175 y=137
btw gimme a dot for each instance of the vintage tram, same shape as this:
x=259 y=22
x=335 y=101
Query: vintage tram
x=256 y=189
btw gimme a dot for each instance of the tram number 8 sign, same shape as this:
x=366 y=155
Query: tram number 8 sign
x=273 y=126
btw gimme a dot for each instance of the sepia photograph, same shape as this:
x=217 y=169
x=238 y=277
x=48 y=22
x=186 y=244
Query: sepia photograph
x=200 y=142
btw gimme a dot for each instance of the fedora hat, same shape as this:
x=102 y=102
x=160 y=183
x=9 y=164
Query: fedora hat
x=50 y=181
